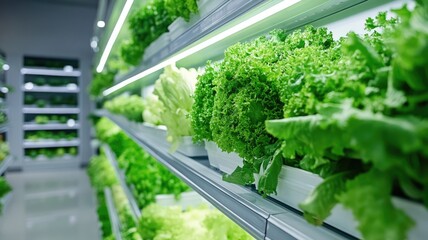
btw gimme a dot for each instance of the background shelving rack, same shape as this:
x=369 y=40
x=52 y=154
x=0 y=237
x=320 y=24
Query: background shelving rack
x=69 y=89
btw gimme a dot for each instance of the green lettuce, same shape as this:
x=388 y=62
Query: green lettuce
x=175 y=88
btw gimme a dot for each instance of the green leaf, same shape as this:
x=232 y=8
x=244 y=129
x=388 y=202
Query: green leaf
x=269 y=174
x=241 y=175
x=369 y=198
x=317 y=207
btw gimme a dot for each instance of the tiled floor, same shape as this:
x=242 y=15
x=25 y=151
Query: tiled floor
x=50 y=206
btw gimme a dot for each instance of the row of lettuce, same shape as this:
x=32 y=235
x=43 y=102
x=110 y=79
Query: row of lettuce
x=352 y=110
x=147 y=179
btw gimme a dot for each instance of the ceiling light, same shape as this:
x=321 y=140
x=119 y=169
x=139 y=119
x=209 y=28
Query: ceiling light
x=101 y=24
x=228 y=32
x=114 y=34
x=6 y=67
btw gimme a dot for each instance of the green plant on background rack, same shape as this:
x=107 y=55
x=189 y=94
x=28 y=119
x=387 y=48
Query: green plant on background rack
x=5 y=188
x=4 y=149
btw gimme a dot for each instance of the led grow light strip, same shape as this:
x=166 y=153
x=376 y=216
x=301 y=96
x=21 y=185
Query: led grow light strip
x=114 y=34
x=235 y=29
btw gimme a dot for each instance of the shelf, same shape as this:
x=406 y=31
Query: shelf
x=121 y=177
x=50 y=72
x=112 y=213
x=50 y=89
x=247 y=208
x=5 y=164
x=50 y=110
x=4 y=127
x=51 y=143
x=49 y=126
x=234 y=21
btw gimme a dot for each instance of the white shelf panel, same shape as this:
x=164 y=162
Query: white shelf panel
x=246 y=207
x=51 y=143
x=51 y=89
x=50 y=110
x=49 y=126
x=50 y=72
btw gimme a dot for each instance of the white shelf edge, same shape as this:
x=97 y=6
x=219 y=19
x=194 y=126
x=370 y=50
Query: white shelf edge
x=49 y=126
x=50 y=110
x=50 y=72
x=51 y=89
x=112 y=213
x=136 y=212
x=51 y=143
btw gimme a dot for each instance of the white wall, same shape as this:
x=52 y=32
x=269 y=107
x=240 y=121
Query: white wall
x=45 y=29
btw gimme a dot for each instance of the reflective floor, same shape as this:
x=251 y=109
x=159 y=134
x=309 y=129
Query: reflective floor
x=50 y=206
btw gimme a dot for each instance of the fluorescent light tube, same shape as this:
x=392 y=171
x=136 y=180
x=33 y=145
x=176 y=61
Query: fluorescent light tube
x=235 y=29
x=114 y=34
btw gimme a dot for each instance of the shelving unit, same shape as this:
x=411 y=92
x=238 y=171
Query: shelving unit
x=52 y=87
x=259 y=216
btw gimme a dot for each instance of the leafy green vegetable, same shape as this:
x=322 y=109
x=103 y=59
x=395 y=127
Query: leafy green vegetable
x=175 y=88
x=4 y=189
x=181 y=8
x=160 y=222
x=153 y=110
x=128 y=226
x=366 y=119
x=100 y=82
x=4 y=149
x=146 y=25
x=202 y=109
x=148 y=177
x=131 y=107
x=370 y=202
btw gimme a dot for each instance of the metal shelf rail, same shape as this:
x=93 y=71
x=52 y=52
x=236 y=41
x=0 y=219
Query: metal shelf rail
x=112 y=213
x=51 y=143
x=50 y=126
